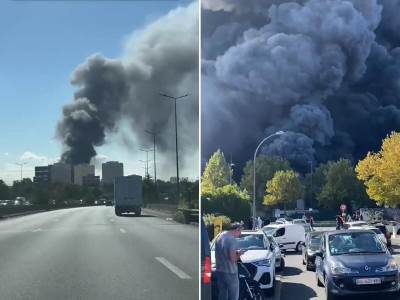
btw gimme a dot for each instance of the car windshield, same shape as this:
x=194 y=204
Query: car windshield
x=314 y=241
x=251 y=241
x=354 y=242
x=269 y=230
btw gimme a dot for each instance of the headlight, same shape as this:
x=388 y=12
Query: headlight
x=265 y=262
x=391 y=266
x=339 y=269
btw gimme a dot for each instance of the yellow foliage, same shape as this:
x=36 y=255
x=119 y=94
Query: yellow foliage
x=380 y=172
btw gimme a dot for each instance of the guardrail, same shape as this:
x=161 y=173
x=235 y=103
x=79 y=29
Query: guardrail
x=17 y=210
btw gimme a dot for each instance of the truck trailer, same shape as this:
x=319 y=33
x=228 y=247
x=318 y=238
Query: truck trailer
x=128 y=194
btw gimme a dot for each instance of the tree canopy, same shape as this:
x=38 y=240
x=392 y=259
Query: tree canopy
x=283 y=189
x=380 y=172
x=266 y=166
x=216 y=174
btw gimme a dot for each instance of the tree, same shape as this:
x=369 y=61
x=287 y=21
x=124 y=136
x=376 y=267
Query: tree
x=228 y=200
x=284 y=188
x=341 y=186
x=380 y=172
x=314 y=183
x=4 y=191
x=216 y=174
x=266 y=167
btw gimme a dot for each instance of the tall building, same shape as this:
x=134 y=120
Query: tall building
x=110 y=170
x=82 y=170
x=42 y=175
x=61 y=173
x=91 y=180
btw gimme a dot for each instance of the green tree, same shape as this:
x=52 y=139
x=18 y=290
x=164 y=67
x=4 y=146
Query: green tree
x=266 y=167
x=283 y=189
x=314 y=183
x=380 y=172
x=216 y=174
x=5 y=191
x=341 y=186
x=228 y=200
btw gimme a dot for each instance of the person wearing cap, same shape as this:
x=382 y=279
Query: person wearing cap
x=226 y=257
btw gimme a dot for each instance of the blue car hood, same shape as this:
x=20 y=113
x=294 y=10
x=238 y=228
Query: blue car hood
x=359 y=261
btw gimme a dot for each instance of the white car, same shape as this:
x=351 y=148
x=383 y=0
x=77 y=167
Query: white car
x=258 y=258
x=279 y=254
x=379 y=233
x=349 y=225
x=299 y=221
x=290 y=236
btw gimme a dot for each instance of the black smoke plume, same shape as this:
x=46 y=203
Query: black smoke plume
x=325 y=71
x=162 y=57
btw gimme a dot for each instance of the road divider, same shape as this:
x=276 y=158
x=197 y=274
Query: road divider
x=174 y=269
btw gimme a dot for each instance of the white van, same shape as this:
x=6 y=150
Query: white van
x=290 y=236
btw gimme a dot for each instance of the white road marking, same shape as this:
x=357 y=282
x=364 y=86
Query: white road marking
x=174 y=269
x=37 y=229
x=112 y=220
x=122 y=230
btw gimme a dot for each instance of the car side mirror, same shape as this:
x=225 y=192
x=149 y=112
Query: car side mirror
x=319 y=253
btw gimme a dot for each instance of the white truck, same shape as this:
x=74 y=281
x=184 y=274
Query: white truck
x=128 y=194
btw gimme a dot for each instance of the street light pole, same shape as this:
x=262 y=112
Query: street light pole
x=254 y=173
x=154 y=134
x=21 y=165
x=311 y=183
x=176 y=140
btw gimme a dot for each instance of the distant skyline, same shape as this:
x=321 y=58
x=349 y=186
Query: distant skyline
x=42 y=43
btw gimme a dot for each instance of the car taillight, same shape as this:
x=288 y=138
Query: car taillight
x=207 y=270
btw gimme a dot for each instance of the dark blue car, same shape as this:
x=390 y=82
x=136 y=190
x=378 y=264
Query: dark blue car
x=355 y=262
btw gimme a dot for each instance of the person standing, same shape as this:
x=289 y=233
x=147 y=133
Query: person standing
x=226 y=258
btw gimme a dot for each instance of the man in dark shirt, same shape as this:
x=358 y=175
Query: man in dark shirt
x=226 y=257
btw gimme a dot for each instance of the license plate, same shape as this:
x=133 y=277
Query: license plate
x=361 y=281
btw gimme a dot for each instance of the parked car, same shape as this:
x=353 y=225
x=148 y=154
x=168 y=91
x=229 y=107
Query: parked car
x=348 y=225
x=291 y=236
x=376 y=230
x=205 y=254
x=311 y=246
x=259 y=259
x=299 y=221
x=352 y=262
x=279 y=253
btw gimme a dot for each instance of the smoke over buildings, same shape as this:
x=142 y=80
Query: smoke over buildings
x=326 y=71
x=162 y=57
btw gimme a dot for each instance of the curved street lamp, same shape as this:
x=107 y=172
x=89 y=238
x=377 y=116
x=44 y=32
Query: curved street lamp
x=254 y=172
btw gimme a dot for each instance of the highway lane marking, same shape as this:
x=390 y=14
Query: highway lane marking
x=112 y=220
x=37 y=229
x=174 y=269
x=122 y=230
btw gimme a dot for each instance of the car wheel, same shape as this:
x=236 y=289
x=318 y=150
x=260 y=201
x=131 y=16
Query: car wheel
x=328 y=294
x=303 y=260
x=319 y=283
x=298 y=247
x=282 y=266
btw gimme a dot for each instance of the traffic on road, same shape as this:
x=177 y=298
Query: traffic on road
x=285 y=262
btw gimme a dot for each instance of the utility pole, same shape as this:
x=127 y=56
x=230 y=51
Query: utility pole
x=154 y=134
x=231 y=165
x=147 y=158
x=21 y=165
x=311 y=182
x=176 y=140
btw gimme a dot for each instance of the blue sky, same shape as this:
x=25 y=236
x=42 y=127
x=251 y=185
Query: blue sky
x=41 y=43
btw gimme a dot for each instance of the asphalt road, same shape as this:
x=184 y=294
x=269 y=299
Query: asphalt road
x=89 y=253
x=299 y=284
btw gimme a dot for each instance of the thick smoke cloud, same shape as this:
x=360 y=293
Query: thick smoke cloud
x=326 y=71
x=162 y=57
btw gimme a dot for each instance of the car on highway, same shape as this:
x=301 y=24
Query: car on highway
x=352 y=262
x=311 y=246
x=205 y=253
x=290 y=236
x=258 y=258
